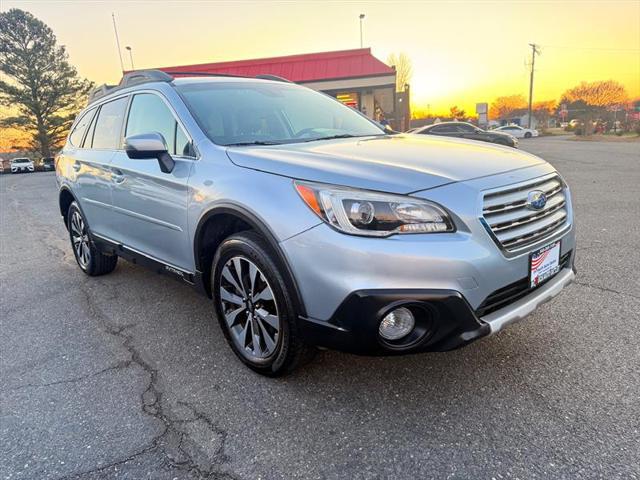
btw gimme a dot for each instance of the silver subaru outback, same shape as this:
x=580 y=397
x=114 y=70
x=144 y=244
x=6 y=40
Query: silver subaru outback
x=308 y=224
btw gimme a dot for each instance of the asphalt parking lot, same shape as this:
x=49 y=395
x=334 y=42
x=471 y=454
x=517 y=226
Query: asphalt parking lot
x=128 y=376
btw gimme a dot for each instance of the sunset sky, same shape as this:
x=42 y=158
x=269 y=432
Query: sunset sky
x=462 y=52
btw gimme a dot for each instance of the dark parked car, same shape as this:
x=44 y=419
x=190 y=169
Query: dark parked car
x=467 y=130
x=48 y=164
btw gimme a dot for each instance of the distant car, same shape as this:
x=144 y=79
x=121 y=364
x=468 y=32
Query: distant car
x=518 y=131
x=19 y=165
x=466 y=130
x=48 y=164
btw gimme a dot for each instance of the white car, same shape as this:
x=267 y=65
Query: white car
x=22 y=165
x=518 y=131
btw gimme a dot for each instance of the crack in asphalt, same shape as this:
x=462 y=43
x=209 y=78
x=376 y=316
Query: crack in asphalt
x=118 y=366
x=151 y=403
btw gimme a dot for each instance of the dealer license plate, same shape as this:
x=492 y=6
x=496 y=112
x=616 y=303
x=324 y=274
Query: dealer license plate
x=544 y=263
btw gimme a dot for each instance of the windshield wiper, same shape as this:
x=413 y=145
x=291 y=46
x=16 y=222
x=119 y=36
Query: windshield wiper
x=331 y=137
x=255 y=142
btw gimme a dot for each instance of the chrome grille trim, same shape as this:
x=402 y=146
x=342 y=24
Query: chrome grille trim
x=513 y=225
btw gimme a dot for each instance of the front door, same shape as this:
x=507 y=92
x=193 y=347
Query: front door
x=150 y=207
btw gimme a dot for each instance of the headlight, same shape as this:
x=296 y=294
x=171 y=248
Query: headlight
x=361 y=212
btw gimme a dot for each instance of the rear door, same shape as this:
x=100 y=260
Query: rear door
x=91 y=163
x=150 y=206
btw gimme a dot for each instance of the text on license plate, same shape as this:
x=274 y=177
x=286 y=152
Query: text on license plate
x=544 y=263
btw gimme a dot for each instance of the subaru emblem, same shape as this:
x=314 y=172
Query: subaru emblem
x=536 y=200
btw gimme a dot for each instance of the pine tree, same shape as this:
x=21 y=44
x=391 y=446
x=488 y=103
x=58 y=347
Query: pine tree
x=42 y=88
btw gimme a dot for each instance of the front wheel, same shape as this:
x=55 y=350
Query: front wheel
x=90 y=258
x=254 y=307
x=527 y=135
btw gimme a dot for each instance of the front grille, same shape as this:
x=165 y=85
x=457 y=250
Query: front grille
x=514 y=291
x=514 y=225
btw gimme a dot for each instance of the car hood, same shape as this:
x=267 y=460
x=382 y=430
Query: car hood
x=394 y=163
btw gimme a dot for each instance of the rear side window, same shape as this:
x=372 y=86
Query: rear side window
x=109 y=124
x=149 y=113
x=78 y=132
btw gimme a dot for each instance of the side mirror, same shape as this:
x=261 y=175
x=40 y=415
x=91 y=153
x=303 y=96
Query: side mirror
x=150 y=145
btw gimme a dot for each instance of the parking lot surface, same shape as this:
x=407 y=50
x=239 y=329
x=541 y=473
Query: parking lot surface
x=128 y=375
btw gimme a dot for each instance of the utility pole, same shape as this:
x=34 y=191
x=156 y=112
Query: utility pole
x=115 y=29
x=534 y=50
x=361 y=19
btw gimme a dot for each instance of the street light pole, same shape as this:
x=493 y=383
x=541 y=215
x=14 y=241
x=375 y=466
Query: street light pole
x=361 y=19
x=130 y=56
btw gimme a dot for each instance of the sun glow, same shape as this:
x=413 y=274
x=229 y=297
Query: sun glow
x=462 y=52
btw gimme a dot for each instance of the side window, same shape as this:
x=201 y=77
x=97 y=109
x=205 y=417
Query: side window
x=464 y=128
x=148 y=113
x=89 y=138
x=183 y=146
x=443 y=129
x=109 y=124
x=78 y=132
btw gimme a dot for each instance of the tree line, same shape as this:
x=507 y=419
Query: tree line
x=587 y=98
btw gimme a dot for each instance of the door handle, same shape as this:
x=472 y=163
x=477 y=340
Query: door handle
x=117 y=176
x=76 y=166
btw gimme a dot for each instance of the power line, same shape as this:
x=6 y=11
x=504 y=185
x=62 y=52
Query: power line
x=608 y=49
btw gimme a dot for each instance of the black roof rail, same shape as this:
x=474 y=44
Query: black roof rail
x=100 y=92
x=205 y=74
x=143 y=76
x=275 y=78
x=129 y=79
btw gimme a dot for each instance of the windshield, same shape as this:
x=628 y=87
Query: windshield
x=20 y=160
x=265 y=113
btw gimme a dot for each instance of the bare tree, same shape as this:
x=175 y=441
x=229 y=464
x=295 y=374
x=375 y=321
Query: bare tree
x=404 y=69
x=457 y=113
x=597 y=94
x=502 y=107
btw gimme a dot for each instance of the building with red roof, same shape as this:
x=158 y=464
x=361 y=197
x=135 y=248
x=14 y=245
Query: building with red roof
x=355 y=77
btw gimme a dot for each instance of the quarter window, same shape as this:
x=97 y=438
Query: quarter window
x=149 y=113
x=78 y=132
x=109 y=124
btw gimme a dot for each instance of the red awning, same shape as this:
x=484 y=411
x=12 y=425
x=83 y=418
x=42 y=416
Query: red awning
x=308 y=67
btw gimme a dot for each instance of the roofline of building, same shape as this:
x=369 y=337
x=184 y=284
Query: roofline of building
x=270 y=60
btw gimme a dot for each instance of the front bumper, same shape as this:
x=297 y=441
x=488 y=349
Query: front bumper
x=448 y=323
x=472 y=287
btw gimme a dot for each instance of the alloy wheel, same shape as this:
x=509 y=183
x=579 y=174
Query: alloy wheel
x=80 y=240
x=249 y=308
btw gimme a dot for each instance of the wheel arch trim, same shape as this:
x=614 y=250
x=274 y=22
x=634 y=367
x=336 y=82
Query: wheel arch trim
x=257 y=224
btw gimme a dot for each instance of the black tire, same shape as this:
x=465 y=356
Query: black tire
x=97 y=263
x=527 y=135
x=289 y=350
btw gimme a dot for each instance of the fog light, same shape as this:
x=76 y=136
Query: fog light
x=397 y=324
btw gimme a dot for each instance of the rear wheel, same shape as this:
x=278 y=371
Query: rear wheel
x=254 y=307
x=90 y=258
